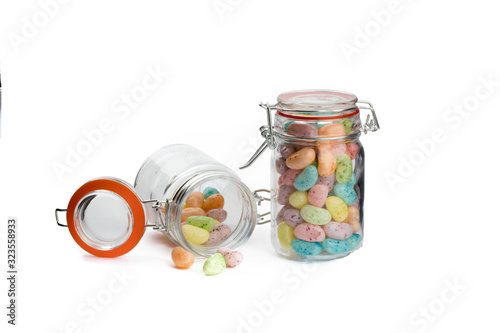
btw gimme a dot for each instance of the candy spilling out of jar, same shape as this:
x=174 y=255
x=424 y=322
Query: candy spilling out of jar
x=318 y=189
x=214 y=265
x=203 y=216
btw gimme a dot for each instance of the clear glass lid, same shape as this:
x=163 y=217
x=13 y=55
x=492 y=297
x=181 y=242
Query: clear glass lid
x=106 y=217
x=316 y=101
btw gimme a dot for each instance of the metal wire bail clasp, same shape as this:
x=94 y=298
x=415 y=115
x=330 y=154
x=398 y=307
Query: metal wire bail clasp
x=266 y=132
x=259 y=199
x=371 y=125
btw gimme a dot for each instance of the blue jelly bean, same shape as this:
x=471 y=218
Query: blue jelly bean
x=335 y=246
x=352 y=181
x=346 y=193
x=306 y=179
x=209 y=191
x=306 y=248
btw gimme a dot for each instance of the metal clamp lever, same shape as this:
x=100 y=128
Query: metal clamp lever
x=371 y=125
x=267 y=132
x=57 y=217
x=259 y=200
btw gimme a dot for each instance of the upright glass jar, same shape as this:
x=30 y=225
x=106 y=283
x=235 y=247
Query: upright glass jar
x=107 y=217
x=317 y=177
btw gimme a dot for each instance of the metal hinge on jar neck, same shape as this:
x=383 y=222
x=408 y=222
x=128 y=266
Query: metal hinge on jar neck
x=259 y=199
x=370 y=125
x=155 y=204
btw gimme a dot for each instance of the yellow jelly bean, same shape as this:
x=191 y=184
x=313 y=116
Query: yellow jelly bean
x=298 y=199
x=286 y=234
x=195 y=235
x=337 y=208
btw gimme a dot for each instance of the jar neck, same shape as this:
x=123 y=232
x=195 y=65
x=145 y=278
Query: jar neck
x=171 y=218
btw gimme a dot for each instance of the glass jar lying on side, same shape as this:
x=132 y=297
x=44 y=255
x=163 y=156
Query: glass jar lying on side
x=317 y=173
x=197 y=202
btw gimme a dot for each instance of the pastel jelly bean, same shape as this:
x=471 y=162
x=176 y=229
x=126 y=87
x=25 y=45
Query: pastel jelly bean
x=302 y=130
x=203 y=222
x=195 y=200
x=232 y=258
x=285 y=235
x=353 y=218
x=284 y=192
x=218 y=214
x=347 y=123
x=306 y=179
x=310 y=232
x=346 y=193
x=337 y=208
x=329 y=181
x=280 y=216
x=338 y=149
x=215 y=264
x=306 y=249
x=292 y=217
x=218 y=233
x=317 y=195
x=326 y=163
x=354 y=241
x=330 y=131
x=194 y=234
x=215 y=201
x=356 y=203
x=298 y=199
x=352 y=150
x=338 y=230
x=355 y=224
x=281 y=166
x=288 y=178
x=182 y=258
x=209 y=191
x=344 y=169
x=315 y=215
x=335 y=246
x=301 y=159
x=352 y=180
x=187 y=212
x=286 y=150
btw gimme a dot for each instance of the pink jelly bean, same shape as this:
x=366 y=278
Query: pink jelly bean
x=317 y=195
x=310 y=232
x=338 y=149
x=289 y=177
x=352 y=150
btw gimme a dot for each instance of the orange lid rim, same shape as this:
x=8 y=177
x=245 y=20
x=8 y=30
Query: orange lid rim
x=125 y=192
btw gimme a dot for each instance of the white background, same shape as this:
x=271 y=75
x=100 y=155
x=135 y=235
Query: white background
x=435 y=227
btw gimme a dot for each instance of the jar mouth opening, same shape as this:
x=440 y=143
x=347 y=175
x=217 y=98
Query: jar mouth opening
x=244 y=219
x=310 y=101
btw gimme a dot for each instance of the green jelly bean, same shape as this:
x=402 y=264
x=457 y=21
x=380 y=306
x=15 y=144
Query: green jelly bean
x=315 y=215
x=214 y=265
x=203 y=222
x=344 y=169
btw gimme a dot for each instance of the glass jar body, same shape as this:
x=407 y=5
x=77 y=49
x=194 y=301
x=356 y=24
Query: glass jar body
x=172 y=173
x=317 y=184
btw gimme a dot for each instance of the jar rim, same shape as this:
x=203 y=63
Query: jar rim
x=316 y=100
